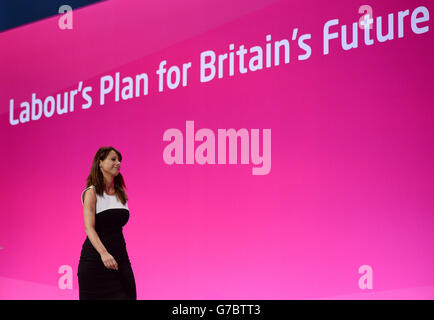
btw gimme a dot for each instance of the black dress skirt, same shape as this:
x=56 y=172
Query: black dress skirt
x=95 y=281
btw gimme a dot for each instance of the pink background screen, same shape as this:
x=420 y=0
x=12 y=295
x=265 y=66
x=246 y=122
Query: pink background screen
x=351 y=178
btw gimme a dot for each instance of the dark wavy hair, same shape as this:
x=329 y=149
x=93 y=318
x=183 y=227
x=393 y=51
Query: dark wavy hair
x=96 y=177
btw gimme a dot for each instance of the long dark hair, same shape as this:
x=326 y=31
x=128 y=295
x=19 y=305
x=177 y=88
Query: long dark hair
x=96 y=177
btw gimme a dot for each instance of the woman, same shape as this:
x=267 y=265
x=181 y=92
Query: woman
x=104 y=270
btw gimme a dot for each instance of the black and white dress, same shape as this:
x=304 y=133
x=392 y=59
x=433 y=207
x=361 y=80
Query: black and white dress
x=95 y=281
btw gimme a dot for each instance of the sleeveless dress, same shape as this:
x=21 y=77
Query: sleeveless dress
x=95 y=281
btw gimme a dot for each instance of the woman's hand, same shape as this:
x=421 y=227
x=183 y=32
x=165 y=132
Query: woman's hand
x=109 y=261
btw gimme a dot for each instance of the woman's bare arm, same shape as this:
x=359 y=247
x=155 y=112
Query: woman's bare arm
x=89 y=205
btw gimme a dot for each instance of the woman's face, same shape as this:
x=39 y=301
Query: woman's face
x=111 y=165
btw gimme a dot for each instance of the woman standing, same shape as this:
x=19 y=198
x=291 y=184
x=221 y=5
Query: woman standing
x=104 y=270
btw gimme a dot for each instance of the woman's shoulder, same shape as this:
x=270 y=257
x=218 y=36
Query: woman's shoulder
x=90 y=187
x=82 y=194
